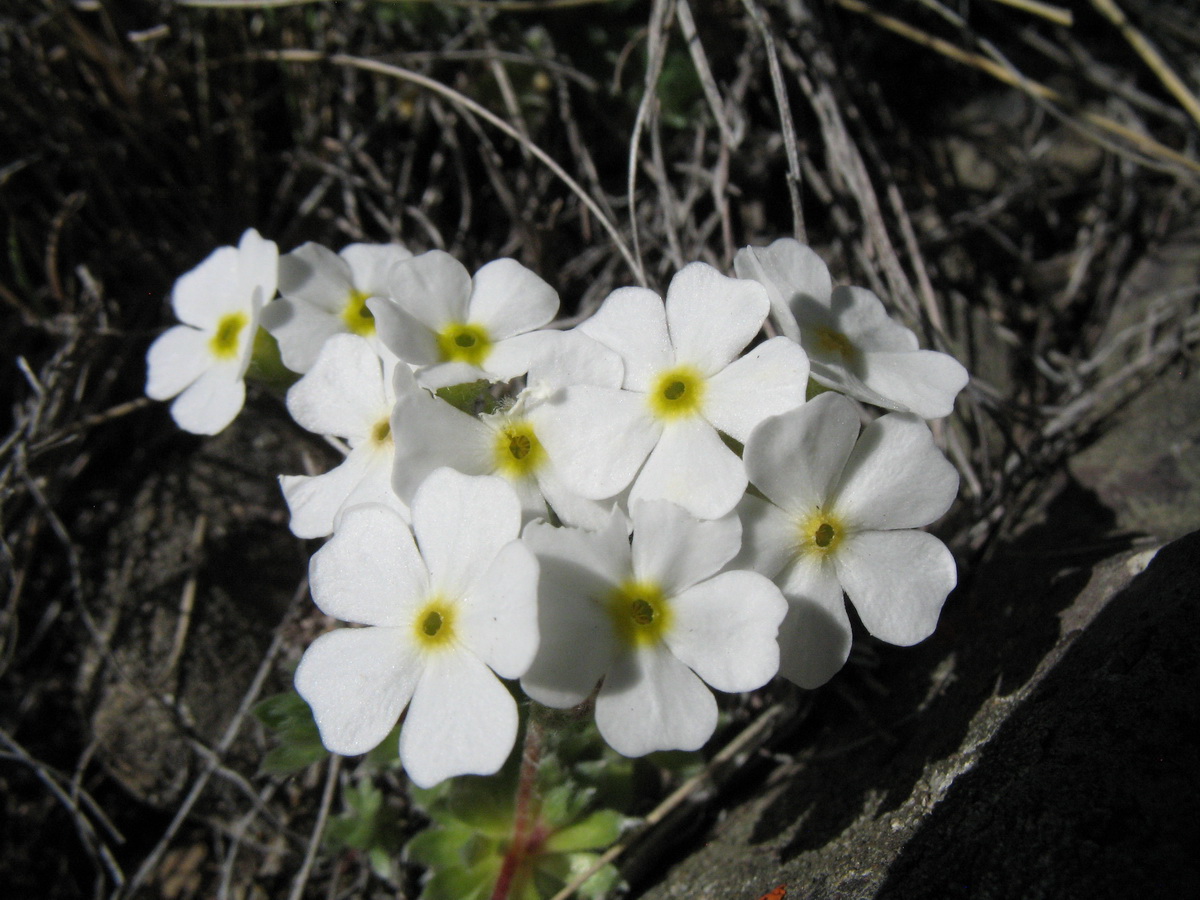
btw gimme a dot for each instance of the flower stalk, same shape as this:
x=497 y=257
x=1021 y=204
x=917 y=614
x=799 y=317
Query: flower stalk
x=524 y=839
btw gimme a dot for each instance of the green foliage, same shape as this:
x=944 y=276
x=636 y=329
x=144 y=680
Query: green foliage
x=299 y=741
x=471 y=397
x=369 y=825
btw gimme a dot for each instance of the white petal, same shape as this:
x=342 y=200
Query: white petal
x=712 y=317
x=315 y=276
x=301 y=330
x=406 y=336
x=598 y=437
x=570 y=507
x=789 y=270
x=796 y=458
x=769 y=537
x=211 y=402
x=860 y=316
x=258 y=266
x=430 y=433
x=461 y=522
x=500 y=614
x=769 y=380
x=724 y=630
x=462 y=721
x=896 y=477
x=315 y=501
x=692 y=466
x=814 y=640
x=633 y=322
x=177 y=357
x=571 y=357
x=371 y=266
x=508 y=299
x=343 y=394
x=651 y=701
x=357 y=681
x=923 y=381
x=370 y=571
x=579 y=569
x=513 y=356
x=897 y=581
x=211 y=290
x=675 y=550
x=434 y=288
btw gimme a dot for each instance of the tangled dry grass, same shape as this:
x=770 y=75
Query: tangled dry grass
x=995 y=170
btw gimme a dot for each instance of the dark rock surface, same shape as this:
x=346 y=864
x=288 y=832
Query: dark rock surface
x=1039 y=745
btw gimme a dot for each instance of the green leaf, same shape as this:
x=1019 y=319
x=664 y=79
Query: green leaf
x=462 y=883
x=467 y=396
x=299 y=740
x=598 y=831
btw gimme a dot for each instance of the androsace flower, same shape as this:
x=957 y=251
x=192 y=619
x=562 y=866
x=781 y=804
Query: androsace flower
x=347 y=394
x=448 y=606
x=654 y=620
x=456 y=328
x=323 y=293
x=430 y=433
x=840 y=514
x=204 y=360
x=684 y=386
x=852 y=343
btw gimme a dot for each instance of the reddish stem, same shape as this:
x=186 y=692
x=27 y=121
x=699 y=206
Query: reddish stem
x=523 y=819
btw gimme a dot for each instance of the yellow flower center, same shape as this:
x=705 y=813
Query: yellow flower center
x=357 y=317
x=224 y=342
x=517 y=451
x=820 y=532
x=640 y=614
x=834 y=343
x=677 y=393
x=381 y=432
x=433 y=626
x=464 y=342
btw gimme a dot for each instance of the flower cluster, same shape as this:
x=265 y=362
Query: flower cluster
x=634 y=511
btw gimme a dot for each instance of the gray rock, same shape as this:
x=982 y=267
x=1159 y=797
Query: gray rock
x=1041 y=744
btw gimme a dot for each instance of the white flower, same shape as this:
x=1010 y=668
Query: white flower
x=446 y=612
x=347 y=394
x=323 y=293
x=204 y=360
x=841 y=517
x=457 y=328
x=683 y=387
x=853 y=345
x=655 y=621
x=429 y=432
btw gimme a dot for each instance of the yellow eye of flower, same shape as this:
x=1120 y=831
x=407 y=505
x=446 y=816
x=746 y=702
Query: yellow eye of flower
x=517 y=452
x=677 y=392
x=640 y=614
x=381 y=432
x=819 y=533
x=357 y=316
x=433 y=626
x=224 y=342
x=464 y=342
x=835 y=343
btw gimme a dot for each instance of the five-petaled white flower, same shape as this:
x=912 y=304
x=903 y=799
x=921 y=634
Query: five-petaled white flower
x=347 y=394
x=430 y=433
x=456 y=328
x=683 y=388
x=841 y=516
x=853 y=345
x=204 y=360
x=654 y=620
x=449 y=605
x=323 y=293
